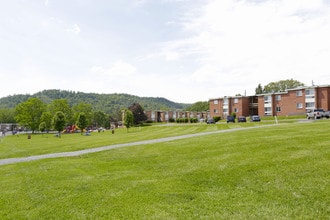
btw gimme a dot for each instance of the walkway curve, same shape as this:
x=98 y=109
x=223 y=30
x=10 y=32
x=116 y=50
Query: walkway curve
x=99 y=149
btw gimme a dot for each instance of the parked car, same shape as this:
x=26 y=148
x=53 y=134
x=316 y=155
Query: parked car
x=210 y=121
x=316 y=113
x=241 y=119
x=230 y=119
x=255 y=118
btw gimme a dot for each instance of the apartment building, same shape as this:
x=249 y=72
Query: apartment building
x=294 y=101
x=241 y=105
x=165 y=116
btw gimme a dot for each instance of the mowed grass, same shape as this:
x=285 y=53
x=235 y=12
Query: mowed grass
x=279 y=172
x=20 y=146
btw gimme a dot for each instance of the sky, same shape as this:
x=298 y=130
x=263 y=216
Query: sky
x=183 y=50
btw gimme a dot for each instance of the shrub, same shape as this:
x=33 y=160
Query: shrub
x=171 y=120
x=193 y=120
x=182 y=120
x=216 y=118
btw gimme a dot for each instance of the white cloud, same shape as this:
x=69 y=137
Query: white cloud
x=194 y=49
x=269 y=41
x=74 y=29
x=117 y=69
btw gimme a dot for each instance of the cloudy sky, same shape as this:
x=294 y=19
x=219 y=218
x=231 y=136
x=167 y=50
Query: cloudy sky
x=182 y=50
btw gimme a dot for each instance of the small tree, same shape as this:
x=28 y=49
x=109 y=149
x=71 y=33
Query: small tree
x=138 y=113
x=29 y=113
x=129 y=119
x=59 y=122
x=42 y=127
x=46 y=118
x=259 y=89
x=100 y=119
x=82 y=121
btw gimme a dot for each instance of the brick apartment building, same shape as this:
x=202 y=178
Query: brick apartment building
x=294 y=101
x=165 y=116
x=241 y=105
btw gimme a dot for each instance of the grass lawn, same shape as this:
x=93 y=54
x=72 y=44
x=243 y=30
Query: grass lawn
x=279 y=172
x=20 y=146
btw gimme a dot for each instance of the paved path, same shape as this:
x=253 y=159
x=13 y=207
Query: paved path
x=93 y=150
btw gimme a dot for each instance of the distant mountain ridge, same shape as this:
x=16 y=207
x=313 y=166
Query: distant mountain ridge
x=108 y=103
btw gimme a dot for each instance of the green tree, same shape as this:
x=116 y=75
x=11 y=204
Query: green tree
x=85 y=108
x=29 y=113
x=281 y=86
x=100 y=119
x=128 y=119
x=259 y=89
x=42 y=127
x=138 y=113
x=199 y=107
x=59 y=122
x=82 y=121
x=63 y=106
x=7 y=115
x=46 y=118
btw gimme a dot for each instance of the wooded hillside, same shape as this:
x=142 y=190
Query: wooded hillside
x=108 y=103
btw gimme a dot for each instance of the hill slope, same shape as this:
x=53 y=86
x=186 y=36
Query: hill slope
x=108 y=103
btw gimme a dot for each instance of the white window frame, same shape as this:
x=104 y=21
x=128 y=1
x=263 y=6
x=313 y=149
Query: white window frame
x=310 y=92
x=267 y=99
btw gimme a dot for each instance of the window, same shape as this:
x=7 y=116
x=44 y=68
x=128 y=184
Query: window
x=278 y=109
x=236 y=110
x=299 y=105
x=236 y=100
x=215 y=111
x=309 y=92
x=310 y=105
x=225 y=101
x=299 y=93
x=225 y=110
x=268 y=109
x=215 y=102
x=278 y=97
x=267 y=99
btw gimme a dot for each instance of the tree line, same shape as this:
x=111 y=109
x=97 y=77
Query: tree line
x=57 y=115
x=108 y=103
x=37 y=115
x=279 y=86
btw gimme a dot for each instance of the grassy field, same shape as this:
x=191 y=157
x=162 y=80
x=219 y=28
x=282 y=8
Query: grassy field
x=20 y=146
x=278 y=172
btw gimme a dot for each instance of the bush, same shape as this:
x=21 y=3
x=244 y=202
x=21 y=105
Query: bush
x=216 y=118
x=193 y=120
x=182 y=120
x=171 y=120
